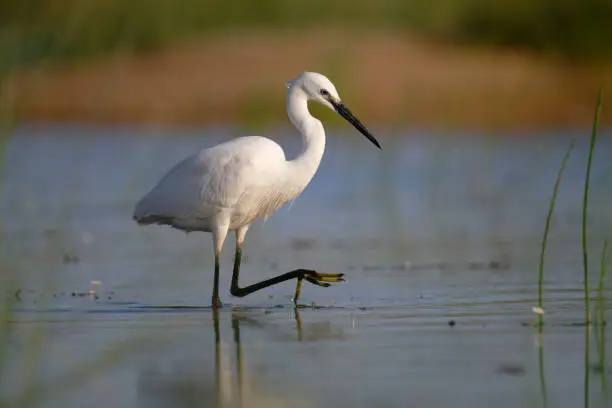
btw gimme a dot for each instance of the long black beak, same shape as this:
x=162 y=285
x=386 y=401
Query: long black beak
x=348 y=115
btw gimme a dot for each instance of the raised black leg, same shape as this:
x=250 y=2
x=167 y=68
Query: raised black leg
x=314 y=277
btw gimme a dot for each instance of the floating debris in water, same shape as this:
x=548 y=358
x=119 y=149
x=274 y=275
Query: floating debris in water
x=538 y=310
x=437 y=266
x=301 y=244
x=70 y=258
x=452 y=323
x=510 y=369
x=96 y=282
x=483 y=265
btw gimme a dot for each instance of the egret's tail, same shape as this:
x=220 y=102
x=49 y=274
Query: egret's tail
x=152 y=219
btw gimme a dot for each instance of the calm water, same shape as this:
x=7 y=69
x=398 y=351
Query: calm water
x=433 y=229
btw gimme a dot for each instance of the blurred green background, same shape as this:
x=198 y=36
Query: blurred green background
x=39 y=29
x=559 y=51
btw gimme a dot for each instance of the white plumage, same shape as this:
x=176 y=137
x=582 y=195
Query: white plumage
x=227 y=187
x=238 y=180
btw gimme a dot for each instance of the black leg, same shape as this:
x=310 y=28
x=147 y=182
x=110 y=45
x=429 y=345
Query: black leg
x=314 y=277
x=216 y=301
x=236 y=273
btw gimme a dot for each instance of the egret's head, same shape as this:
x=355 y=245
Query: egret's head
x=317 y=87
x=320 y=89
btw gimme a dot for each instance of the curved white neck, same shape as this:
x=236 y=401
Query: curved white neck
x=313 y=135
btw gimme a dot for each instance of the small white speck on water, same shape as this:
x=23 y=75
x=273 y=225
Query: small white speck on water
x=538 y=310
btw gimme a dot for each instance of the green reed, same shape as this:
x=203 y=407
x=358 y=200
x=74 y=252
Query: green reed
x=585 y=251
x=601 y=313
x=587 y=362
x=605 y=259
x=547 y=226
x=541 y=271
x=585 y=205
x=543 y=389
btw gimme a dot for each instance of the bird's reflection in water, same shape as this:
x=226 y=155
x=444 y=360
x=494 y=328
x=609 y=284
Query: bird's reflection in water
x=185 y=380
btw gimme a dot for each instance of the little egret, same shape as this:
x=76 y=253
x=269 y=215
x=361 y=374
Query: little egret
x=227 y=187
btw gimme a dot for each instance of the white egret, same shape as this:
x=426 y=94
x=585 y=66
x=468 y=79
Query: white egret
x=227 y=187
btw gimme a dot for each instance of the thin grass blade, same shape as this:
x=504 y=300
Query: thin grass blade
x=547 y=225
x=586 y=204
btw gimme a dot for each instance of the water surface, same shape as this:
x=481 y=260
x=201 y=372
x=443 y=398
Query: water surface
x=438 y=235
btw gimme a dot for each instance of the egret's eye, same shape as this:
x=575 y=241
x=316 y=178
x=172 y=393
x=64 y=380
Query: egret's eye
x=324 y=92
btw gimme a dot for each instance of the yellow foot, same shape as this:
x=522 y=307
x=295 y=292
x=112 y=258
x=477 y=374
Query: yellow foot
x=323 y=279
x=316 y=278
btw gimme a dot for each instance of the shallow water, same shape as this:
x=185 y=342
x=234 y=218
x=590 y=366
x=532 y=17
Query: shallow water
x=438 y=235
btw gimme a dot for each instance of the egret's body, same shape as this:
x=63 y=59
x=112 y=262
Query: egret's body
x=226 y=187
x=233 y=183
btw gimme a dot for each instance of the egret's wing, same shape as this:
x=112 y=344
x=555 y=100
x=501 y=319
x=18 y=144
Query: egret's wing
x=236 y=174
x=241 y=174
x=176 y=195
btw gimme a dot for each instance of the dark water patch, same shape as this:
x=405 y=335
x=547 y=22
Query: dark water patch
x=513 y=370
